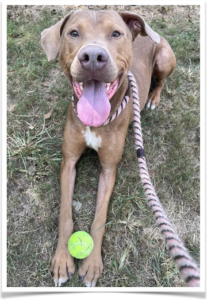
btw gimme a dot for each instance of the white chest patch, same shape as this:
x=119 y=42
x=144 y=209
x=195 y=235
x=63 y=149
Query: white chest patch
x=92 y=140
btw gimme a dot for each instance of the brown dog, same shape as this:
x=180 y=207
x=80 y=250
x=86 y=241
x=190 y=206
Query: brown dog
x=96 y=50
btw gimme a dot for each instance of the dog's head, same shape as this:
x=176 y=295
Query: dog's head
x=95 y=51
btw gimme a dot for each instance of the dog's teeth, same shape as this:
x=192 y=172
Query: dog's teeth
x=107 y=86
x=81 y=85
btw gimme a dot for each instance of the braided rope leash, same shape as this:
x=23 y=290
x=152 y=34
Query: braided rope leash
x=184 y=262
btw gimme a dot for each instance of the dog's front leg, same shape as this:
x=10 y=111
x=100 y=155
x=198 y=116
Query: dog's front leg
x=62 y=264
x=92 y=266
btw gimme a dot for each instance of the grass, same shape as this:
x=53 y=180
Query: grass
x=133 y=251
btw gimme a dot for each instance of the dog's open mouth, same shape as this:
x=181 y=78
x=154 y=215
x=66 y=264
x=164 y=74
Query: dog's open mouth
x=93 y=106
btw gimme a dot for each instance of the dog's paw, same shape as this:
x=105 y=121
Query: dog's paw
x=153 y=100
x=91 y=270
x=62 y=266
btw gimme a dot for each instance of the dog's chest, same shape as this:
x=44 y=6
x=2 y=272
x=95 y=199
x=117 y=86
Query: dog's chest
x=92 y=140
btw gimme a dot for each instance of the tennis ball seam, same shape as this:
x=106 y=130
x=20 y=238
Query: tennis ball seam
x=78 y=244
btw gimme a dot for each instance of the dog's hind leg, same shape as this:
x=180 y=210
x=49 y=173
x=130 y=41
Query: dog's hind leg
x=163 y=65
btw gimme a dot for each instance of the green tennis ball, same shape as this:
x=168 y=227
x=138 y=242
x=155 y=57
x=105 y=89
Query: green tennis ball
x=80 y=244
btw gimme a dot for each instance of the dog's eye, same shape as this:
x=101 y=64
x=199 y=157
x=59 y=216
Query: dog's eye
x=74 y=33
x=116 y=34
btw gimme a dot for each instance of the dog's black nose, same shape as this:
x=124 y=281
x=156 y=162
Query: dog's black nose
x=93 y=58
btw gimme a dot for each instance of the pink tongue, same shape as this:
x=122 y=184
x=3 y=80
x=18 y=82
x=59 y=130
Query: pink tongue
x=93 y=106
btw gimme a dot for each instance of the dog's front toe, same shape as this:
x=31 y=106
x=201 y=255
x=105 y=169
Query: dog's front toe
x=62 y=266
x=60 y=281
x=91 y=270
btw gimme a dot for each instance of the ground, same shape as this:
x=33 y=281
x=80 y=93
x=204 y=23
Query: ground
x=38 y=97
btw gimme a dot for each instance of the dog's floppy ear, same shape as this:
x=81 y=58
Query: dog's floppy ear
x=138 y=26
x=50 y=38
